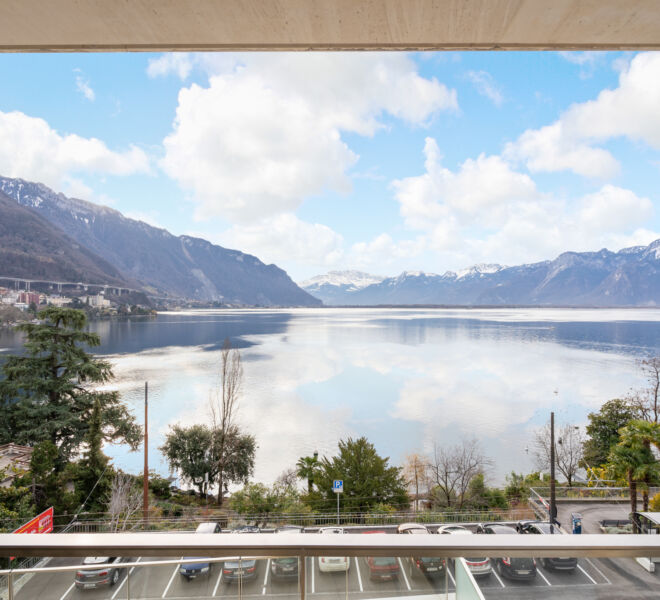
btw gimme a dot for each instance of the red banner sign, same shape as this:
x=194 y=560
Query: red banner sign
x=40 y=524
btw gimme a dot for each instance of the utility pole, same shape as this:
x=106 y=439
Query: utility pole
x=145 y=478
x=553 y=506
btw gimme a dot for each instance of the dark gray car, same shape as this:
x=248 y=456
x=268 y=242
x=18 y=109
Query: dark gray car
x=543 y=528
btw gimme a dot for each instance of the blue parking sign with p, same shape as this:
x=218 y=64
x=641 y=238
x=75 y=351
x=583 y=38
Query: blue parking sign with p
x=338 y=486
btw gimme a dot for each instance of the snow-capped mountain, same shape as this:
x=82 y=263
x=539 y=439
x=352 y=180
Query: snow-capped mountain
x=353 y=280
x=629 y=277
x=155 y=260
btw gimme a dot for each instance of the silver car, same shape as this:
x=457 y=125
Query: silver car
x=106 y=575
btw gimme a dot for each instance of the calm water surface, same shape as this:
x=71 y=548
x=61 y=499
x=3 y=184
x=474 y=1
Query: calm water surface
x=405 y=378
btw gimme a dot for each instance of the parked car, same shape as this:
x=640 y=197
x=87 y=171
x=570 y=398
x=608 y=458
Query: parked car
x=199 y=565
x=382 y=567
x=285 y=567
x=333 y=564
x=93 y=578
x=478 y=566
x=543 y=528
x=234 y=569
x=450 y=528
x=429 y=566
x=512 y=568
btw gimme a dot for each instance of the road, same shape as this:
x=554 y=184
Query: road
x=603 y=579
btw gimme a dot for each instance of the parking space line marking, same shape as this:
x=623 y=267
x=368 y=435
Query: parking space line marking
x=123 y=581
x=65 y=594
x=312 y=569
x=169 y=583
x=598 y=571
x=263 y=591
x=543 y=577
x=452 y=578
x=587 y=574
x=403 y=572
x=217 y=583
x=494 y=572
x=357 y=568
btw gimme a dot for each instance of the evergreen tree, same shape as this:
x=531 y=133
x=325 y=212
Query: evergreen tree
x=94 y=476
x=368 y=478
x=45 y=393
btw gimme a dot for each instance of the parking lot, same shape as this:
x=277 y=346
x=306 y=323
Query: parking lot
x=594 y=578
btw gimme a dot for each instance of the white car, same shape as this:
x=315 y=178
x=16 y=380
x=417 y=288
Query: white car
x=333 y=564
x=477 y=566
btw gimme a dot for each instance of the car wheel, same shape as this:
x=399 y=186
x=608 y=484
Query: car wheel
x=115 y=577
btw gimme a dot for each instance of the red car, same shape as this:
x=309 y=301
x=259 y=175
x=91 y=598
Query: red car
x=382 y=567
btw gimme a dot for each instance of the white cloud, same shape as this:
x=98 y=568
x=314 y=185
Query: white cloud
x=581 y=58
x=267 y=131
x=558 y=148
x=484 y=211
x=629 y=110
x=285 y=238
x=486 y=86
x=179 y=63
x=482 y=191
x=31 y=149
x=82 y=85
x=382 y=251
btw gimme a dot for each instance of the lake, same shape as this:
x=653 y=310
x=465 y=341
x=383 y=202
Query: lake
x=404 y=378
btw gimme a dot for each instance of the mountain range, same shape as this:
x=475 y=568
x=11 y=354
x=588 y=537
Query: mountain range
x=143 y=256
x=629 y=277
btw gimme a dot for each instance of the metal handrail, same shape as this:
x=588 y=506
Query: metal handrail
x=301 y=545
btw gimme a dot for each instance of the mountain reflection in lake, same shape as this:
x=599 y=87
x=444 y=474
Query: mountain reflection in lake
x=405 y=378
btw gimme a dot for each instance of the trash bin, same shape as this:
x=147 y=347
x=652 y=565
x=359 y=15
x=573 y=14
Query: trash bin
x=576 y=519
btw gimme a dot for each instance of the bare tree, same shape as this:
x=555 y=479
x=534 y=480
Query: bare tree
x=416 y=473
x=125 y=501
x=651 y=368
x=452 y=468
x=288 y=479
x=223 y=406
x=569 y=442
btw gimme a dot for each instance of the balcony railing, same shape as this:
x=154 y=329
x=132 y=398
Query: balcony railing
x=303 y=550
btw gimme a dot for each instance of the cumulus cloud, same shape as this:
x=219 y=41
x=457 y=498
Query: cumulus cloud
x=285 y=238
x=630 y=110
x=486 y=86
x=267 y=130
x=31 y=149
x=484 y=211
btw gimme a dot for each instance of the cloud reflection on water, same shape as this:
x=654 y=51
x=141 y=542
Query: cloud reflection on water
x=403 y=378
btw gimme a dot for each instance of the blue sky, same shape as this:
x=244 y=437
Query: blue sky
x=378 y=162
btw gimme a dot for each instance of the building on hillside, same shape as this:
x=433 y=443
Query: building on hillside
x=58 y=300
x=29 y=297
x=97 y=301
x=14 y=460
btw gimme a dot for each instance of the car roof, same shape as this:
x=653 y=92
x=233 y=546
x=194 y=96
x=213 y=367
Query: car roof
x=460 y=532
x=409 y=527
x=206 y=528
x=374 y=531
x=448 y=528
x=497 y=528
x=331 y=530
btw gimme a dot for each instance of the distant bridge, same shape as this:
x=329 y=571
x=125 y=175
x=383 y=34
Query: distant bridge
x=79 y=285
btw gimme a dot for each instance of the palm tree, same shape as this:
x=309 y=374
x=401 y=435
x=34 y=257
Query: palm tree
x=306 y=468
x=642 y=435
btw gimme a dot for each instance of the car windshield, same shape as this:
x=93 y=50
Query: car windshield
x=287 y=561
x=384 y=561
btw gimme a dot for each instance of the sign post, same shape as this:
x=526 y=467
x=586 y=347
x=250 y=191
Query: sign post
x=338 y=488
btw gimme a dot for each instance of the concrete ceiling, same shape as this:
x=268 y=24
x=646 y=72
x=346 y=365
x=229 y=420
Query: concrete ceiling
x=160 y=25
